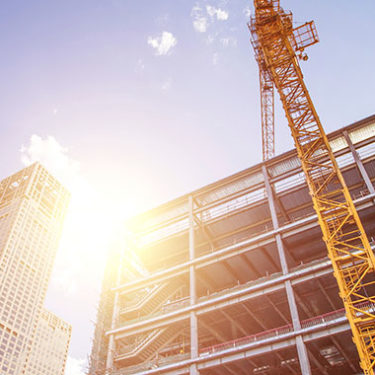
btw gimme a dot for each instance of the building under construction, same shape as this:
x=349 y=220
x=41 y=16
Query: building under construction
x=234 y=278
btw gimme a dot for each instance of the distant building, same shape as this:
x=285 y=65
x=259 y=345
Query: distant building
x=50 y=346
x=32 y=210
x=99 y=349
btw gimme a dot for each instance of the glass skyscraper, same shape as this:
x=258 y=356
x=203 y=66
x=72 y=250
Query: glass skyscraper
x=32 y=210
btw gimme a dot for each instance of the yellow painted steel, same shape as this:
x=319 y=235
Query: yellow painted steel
x=348 y=247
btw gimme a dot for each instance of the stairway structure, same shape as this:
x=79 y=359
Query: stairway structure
x=147 y=346
x=151 y=300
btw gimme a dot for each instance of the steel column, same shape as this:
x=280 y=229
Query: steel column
x=193 y=292
x=360 y=166
x=301 y=347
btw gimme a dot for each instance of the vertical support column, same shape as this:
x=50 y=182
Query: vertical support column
x=301 y=347
x=193 y=291
x=111 y=339
x=360 y=166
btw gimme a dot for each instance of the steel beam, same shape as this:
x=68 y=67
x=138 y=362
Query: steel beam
x=220 y=337
x=288 y=156
x=233 y=296
x=321 y=368
x=261 y=324
x=342 y=351
x=358 y=162
x=301 y=347
x=250 y=350
x=233 y=250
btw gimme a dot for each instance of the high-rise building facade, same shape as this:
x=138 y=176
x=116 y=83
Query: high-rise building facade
x=50 y=346
x=32 y=209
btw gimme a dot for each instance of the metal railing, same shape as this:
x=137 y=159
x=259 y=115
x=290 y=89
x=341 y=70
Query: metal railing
x=288 y=328
x=185 y=302
x=273 y=332
x=140 y=299
x=141 y=342
x=258 y=337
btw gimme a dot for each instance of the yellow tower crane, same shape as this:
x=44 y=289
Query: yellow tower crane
x=278 y=48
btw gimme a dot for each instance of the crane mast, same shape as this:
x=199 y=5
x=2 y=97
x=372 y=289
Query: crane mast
x=267 y=113
x=266 y=105
x=278 y=46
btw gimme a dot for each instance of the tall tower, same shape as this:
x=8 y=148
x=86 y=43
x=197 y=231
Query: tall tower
x=50 y=346
x=32 y=209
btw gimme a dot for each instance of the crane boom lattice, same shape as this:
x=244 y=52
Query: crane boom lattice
x=348 y=247
x=267 y=113
x=266 y=105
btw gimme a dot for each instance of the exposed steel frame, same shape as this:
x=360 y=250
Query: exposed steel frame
x=361 y=139
x=348 y=247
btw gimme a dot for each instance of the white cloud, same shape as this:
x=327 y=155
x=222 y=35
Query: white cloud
x=202 y=18
x=220 y=14
x=75 y=366
x=200 y=24
x=210 y=10
x=163 y=43
x=53 y=156
x=200 y=21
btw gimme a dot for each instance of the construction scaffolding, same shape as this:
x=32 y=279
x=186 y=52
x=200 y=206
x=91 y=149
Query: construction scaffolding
x=236 y=278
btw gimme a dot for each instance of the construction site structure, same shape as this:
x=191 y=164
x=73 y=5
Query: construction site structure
x=235 y=278
x=280 y=45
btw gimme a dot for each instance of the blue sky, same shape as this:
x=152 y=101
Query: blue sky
x=144 y=119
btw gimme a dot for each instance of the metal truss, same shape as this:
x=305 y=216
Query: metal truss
x=267 y=105
x=348 y=247
x=268 y=115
